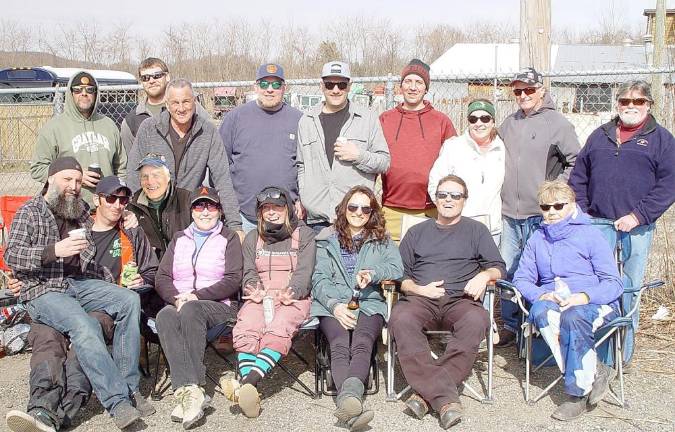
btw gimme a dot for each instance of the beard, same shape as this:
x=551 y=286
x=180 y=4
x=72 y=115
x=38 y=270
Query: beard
x=69 y=207
x=632 y=118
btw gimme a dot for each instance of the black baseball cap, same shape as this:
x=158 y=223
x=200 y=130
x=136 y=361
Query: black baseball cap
x=111 y=184
x=528 y=76
x=203 y=192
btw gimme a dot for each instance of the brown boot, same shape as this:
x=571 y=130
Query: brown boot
x=450 y=414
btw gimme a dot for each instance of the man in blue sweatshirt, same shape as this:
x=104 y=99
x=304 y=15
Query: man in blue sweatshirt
x=260 y=140
x=625 y=178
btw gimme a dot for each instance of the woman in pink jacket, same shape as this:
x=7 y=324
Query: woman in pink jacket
x=199 y=277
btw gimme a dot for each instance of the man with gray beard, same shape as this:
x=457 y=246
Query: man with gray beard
x=625 y=179
x=51 y=251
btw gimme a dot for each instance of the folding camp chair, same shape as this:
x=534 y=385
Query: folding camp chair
x=9 y=204
x=612 y=332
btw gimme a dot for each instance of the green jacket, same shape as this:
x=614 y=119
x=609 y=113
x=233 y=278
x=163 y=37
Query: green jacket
x=96 y=139
x=331 y=285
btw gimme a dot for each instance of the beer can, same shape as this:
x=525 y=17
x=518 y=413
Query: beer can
x=129 y=273
x=94 y=167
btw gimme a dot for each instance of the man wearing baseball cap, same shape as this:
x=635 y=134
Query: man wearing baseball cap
x=414 y=131
x=540 y=145
x=83 y=133
x=260 y=140
x=340 y=145
x=52 y=253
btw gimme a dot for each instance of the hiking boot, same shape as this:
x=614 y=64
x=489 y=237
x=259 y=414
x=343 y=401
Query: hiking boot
x=417 y=406
x=142 y=404
x=249 y=400
x=361 y=420
x=350 y=400
x=603 y=376
x=574 y=407
x=505 y=338
x=125 y=414
x=450 y=414
x=35 y=421
x=193 y=402
x=230 y=388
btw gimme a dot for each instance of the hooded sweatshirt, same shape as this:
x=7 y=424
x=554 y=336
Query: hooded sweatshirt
x=89 y=140
x=540 y=145
x=576 y=252
x=414 y=139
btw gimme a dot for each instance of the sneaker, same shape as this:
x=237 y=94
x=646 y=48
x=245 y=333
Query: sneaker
x=177 y=412
x=125 y=414
x=249 y=401
x=193 y=401
x=574 y=407
x=505 y=338
x=603 y=376
x=142 y=405
x=450 y=414
x=417 y=406
x=19 y=421
x=361 y=420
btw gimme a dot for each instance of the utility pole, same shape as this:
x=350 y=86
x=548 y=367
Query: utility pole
x=659 y=39
x=535 y=35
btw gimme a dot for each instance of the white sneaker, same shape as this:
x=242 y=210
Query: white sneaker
x=177 y=412
x=193 y=401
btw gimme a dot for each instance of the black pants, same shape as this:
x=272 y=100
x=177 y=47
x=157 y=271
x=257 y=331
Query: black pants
x=351 y=358
x=183 y=337
x=57 y=382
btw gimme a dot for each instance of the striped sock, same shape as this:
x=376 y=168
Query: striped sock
x=266 y=360
x=246 y=361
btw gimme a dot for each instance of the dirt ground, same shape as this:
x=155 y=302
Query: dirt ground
x=650 y=394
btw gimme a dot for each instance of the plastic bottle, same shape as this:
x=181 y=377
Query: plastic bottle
x=561 y=288
x=268 y=309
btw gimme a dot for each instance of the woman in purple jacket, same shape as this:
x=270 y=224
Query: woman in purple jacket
x=199 y=277
x=568 y=273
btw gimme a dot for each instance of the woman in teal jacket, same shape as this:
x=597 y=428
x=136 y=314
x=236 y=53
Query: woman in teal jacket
x=353 y=256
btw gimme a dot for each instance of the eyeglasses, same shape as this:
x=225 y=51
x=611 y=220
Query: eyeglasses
x=483 y=119
x=209 y=205
x=156 y=75
x=528 y=91
x=268 y=194
x=342 y=85
x=636 y=101
x=366 y=210
x=547 y=207
x=110 y=199
x=86 y=89
x=276 y=85
x=455 y=196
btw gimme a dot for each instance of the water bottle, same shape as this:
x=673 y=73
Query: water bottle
x=562 y=289
x=268 y=309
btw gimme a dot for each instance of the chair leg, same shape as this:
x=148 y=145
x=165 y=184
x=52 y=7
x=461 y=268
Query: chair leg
x=618 y=358
x=297 y=380
x=490 y=346
x=528 y=359
x=156 y=394
x=391 y=365
x=317 y=365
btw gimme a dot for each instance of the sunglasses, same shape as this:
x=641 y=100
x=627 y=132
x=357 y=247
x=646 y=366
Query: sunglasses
x=366 y=210
x=205 y=204
x=547 y=207
x=455 y=196
x=276 y=85
x=483 y=119
x=268 y=194
x=528 y=91
x=110 y=199
x=156 y=75
x=331 y=85
x=86 y=89
x=636 y=101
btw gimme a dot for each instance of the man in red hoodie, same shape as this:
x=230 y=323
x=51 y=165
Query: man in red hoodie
x=415 y=132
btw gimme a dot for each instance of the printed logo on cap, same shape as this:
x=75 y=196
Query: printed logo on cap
x=84 y=80
x=271 y=68
x=336 y=68
x=204 y=191
x=122 y=183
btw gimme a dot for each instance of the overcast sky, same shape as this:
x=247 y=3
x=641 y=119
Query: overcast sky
x=148 y=17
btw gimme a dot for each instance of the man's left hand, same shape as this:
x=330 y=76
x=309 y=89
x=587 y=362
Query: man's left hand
x=347 y=151
x=181 y=299
x=136 y=282
x=626 y=223
x=129 y=219
x=475 y=288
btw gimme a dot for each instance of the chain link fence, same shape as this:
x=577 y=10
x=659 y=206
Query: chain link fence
x=586 y=99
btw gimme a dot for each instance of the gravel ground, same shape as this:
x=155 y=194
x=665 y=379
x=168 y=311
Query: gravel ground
x=650 y=406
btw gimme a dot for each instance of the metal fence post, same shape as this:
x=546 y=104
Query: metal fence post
x=389 y=92
x=58 y=102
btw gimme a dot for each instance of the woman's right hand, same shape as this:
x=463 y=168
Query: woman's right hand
x=254 y=294
x=344 y=316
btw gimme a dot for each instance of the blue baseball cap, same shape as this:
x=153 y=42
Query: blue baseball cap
x=154 y=160
x=270 y=70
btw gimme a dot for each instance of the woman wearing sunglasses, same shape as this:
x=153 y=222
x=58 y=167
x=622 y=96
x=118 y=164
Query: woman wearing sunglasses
x=278 y=263
x=353 y=256
x=568 y=273
x=199 y=277
x=477 y=156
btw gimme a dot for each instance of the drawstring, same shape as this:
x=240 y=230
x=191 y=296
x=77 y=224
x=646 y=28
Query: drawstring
x=399 y=127
x=419 y=117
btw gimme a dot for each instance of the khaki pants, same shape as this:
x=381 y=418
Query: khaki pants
x=394 y=217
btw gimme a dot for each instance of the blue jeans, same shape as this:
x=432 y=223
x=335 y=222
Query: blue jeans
x=247 y=225
x=635 y=247
x=112 y=380
x=515 y=233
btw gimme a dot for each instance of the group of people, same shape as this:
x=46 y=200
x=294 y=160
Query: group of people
x=271 y=219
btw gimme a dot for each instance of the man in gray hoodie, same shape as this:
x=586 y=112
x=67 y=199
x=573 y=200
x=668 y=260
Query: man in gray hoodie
x=540 y=145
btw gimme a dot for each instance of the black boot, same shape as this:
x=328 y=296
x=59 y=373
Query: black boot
x=350 y=405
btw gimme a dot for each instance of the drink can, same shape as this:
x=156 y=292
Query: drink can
x=94 y=167
x=129 y=273
x=268 y=309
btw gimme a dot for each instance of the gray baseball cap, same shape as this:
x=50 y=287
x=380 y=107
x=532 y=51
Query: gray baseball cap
x=335 y=69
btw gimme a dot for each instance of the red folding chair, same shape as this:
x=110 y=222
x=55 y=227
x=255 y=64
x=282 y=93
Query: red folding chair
x=9 y=204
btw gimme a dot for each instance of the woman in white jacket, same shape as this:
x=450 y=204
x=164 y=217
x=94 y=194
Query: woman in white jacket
x=477 y=156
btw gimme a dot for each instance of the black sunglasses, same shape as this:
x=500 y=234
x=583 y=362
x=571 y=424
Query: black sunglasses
x=86 y=89
x=110 y=199
x=366 y=210
x=483 y=119
x=456 y=196
x=547 y=207
x=528 y=91
x=276 y=85
x=156 y=75
x=331 y=85
x=205 y=204
x=636 y=101
x=268 y=193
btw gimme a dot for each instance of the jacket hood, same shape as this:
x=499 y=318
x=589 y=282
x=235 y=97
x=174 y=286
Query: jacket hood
x=290 y=208
x=70 y=108
x=412 y=115
x=565 y=227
